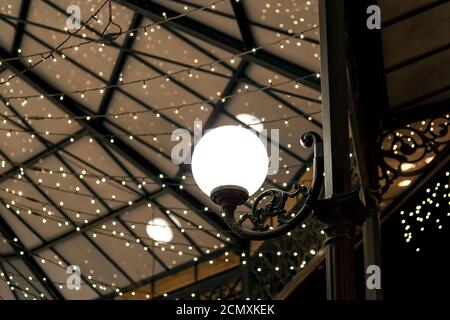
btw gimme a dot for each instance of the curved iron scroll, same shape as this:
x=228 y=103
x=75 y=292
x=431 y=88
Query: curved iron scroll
x=274 y=207
x=407 y=151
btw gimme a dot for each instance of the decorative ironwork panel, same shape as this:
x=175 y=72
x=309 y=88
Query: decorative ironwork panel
x=279 y=260
x=408 y=150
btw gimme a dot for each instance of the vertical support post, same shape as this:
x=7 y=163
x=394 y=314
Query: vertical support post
x=334 y=97
x=341 y=209
x=368 y=106
x=372 y=252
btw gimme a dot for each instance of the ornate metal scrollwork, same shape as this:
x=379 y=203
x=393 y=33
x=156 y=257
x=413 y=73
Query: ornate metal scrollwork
x=273 y=208
x=406 y=151
x=270 y=203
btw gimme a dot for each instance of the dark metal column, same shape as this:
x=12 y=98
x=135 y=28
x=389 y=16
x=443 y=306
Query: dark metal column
x=334 y=97
x=341 y=208
x=369 y=106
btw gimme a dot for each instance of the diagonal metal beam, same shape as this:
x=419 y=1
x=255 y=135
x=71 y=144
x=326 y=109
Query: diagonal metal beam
x=417 y=58
x=243 y=23
x=120 y=63
x=292 y=94
x=144 y=62
x=26 y=224
x=229 y=89
x=96 y=76
x=172 y=222
x=83 y=277
x=217 y=107
x=251 y=22
x=6 y=259
x=100 y=171
x=20 y=249
x=107 y=207
x=220 y=108
x=219 y=39
x=2 y=268
x=147 y=196
x=93 y=224
x=238 y=76
x=172 y=271
x=283 y=101
x=142 y=141
x=64 y=214
x=129 y=174
x=159 y=276
x=249 y=42
x=248 y=80
x=61 y=211
x=429 y=5
x=75 y=109
x=240 y=71
x=20 y=25
x=22 y=275
x=429 y=95
x=419 y=112
x=131 y=51
x=135 y=99
x=29 y=128
x=41 y=155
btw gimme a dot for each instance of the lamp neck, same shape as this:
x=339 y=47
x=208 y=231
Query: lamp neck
x=229 y=196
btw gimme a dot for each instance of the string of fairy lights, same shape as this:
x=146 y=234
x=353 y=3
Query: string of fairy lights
x=124 y=236
x=46 y=211
x=143 y=183
x=428 y=201
x=95 y=283
x=414 y=221
x=178 y=251
x=102 y=178
x=78 y=212
x=429 y=214
x=188 y=71
x=50 y=53
x=77 y=192
x=133 y=31
x=125 y=181
x=24 y=204
x=33 y=133
x=158 y=245
x=60 y=48
x=157 y=112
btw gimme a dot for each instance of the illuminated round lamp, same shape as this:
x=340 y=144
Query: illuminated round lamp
x=159 y=229
x=229 y=164
x=252 y=121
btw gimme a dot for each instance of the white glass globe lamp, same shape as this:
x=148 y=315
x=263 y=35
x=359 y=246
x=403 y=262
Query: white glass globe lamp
x=230 y=162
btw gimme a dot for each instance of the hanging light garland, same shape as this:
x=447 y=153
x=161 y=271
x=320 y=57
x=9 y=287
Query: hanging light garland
x=188 y=71
x=104 y=37
x=430 y=213
x=10 y=131
x=128 y=238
